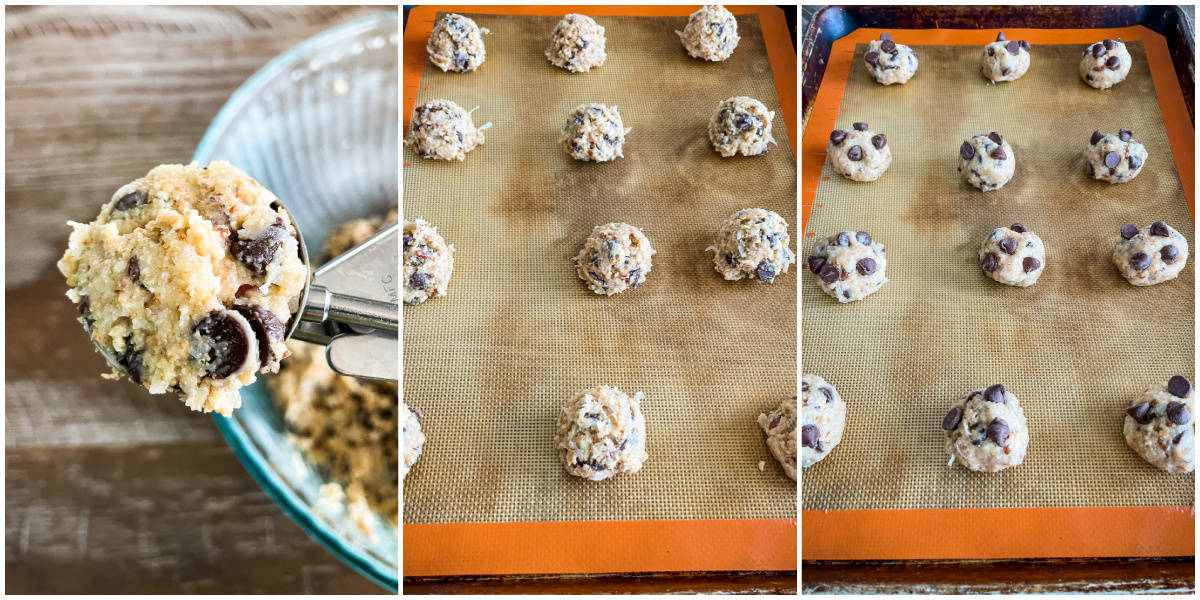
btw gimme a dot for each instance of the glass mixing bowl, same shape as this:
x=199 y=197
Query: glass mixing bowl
x=318 y=127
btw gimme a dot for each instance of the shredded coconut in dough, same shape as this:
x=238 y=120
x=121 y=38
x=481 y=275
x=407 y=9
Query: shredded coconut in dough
x=577 y=44
x=741 y=125
x=614 y=258
x=594 y=132
x=752 y=243
x=444 y=130
x=711 y=33
x=601 y=432
x=456 y=44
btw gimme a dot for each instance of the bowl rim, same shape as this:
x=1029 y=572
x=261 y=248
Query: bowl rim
x=235 y=435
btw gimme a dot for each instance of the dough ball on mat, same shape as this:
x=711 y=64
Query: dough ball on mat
x=1160 y=427
x=1151 y=254
x=823 y=417
x=986 y=161
x=1105 y=63
x=986 y=430
x=1004 y=60
x=710 y=33
x=849 y=266
x=614 y=258
x=601 y=432
x=1013 y=256
x=889 y=62
x=1114 y=157
x=741 y=125
x=780 y=428
x=594 y=132
x=577 y=44
x=456 y=44
x=428 y=262
x=443 y=130
x=752 y=243
x=413 y=439
x=859 y=154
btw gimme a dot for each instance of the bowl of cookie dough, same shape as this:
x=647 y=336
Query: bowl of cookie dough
x=318 y=127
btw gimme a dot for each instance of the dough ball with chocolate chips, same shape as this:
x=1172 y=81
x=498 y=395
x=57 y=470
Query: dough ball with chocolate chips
x=752 y=244
x=859 y=154
x=1160 y=427
x=986 y=430
x=1004 y=60
x=711 y=33
x=443 y=130
x=428 y=262
x=986 y=161
x=1114 y=157
x=1151 y=254
x=456 y=44
x=601 y=432
x=594 y=132
x=849 y=266
x=822 y=420
x=1013 y=256
x=1105 y=63
x=780 y=428
x=889 y=62
x=741 y=125
x=614 y=258
x=577 y=44
x=413 y=439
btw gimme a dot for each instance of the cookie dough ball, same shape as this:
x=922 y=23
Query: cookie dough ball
x=614 y=258
x=987 y=161
x=1160 y=428
x=1151 y=254
x=594 y=132
x=577 y=44
x=1105 y=64
x=890 y=62
x=823 y=419
x=849 y=266
x=780 y=428
x=859 y=154
x=986 y=430
x=711 y=33
x=1013 y=256
x=1115 y=158
x=601 y=432
x=752 y=243
x=456 y=44
x=1004 y=60
x=741 y=125
x=443 y=130
x=189 y=277
x=414 y=438
x=428 y=262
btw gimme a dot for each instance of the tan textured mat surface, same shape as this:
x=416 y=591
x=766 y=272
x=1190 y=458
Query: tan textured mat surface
x=1074 y=348
x=519 y=333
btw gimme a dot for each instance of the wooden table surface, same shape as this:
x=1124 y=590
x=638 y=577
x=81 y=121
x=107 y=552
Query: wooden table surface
x=110 y=489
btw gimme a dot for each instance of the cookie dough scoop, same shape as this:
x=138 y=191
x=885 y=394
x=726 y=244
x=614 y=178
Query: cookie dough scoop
x=987 y=161
x=1105 y=63
x=859 y=154
x=577 y=44
x=889 y=62
x=711 y=33
x=1150 y=255
x=1160 y=425
x=823 y=419
x=456 y=44
x=1013 y=255
x=986 y=430
x=1004 y=60
x=1114 y=157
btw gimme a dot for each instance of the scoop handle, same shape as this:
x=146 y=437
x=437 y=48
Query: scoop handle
x=324 y=305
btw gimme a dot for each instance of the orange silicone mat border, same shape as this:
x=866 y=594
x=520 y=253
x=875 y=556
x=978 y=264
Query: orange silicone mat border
x=823 y=116
x=922 y=534
x=629 y=546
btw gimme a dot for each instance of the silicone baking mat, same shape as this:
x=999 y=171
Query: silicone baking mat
x=492 y=363
x=1074 y=348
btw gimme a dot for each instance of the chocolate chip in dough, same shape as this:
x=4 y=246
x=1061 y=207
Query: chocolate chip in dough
x=810 y=436
x=855 y=153
x=1026 y=45
x=1097 y=50
x=998 y=153
x=1178 y=413
x=1030 y=264
x=989 y=262
x=872 y=58
x=1013 y=47
x=863 y=238
x=952 y=419
x=1109 y=44
x=1113 y=62
x=1128 y=231
x=1000 y=37
x=226 y=341
x=1159 y=228
x=1018 y=227
x=843 y=239
x=997 y=431
x=865 y=266
x=258 y=253
x=1139 y=412
x=1112 y=159
x=966 y=151
x=888 y=46
x=266 y=326
x=765 y=271
x=885 y=36
x=995 y=393
x=1096 y=137
x=1008 y=245
x=879 y=141
x=828 y=392
x=1169 y=253
x=830 y=273
x=860 y=126
x=837 y=136
x=1134 y=162
x=1125 y=135
x=1139 y=261
x=1179 y=386
x=995 y=137
x=815 y=263
x=131 y=200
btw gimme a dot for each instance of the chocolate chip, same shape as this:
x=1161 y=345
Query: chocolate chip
x=1000 y=37
x=420 y=280
x=828 y=392
x=742 y=121
x=1139 y=412
x=888 y=46
x=266 y=326
x=225 y=341
x=1013 y=47
x=1169 y=253
x=1097 y=50
x=1018 y=227
x=830 y=273
x=258 y=253
x=952 y=419
x=1008 y=245
x=134 y=270
x=1109 y=44
x=1134 y=162
x=804 y=386
x=879 y=141
x=860 y=126
x=989 y=262
x=863 y=238
x=1026 y=45
x=1125 y=135
x=461 y=60
x=995 y=137
x=1139 y=261
x=865 y=266
x=131 y=200
x=85 y=305
x=885 y=36
x=408 y=241
x=995 y=393
x=1178 y=437
x=1112 y=159
x=1113 y=62
x=997 y=431
x=991 y=51
x=1096 y=137
x=1160 y=229
x=966 y=151
x=837 y=136
x=855 y=153
x=810 y=436
x=1004 y=71
x=765 y=271
x=1179 y=386
x=815 y=263
x=1030 y=264
x=843 y=239
x=1128 y=231
x=635 y=276
x=998 y=153
x=1178 y=413
x=872 y=58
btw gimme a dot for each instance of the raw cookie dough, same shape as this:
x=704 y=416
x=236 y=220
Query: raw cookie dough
x=1160 y=428
x=189 y=277
x=890 y=62
x=614 y=258
x=752 y=243
x=987 y=161
x=780 y=429
x=577 y=44
x=859 y=154
x=1004 y=60
x=1115 y=158
x=823 y=418
x=594 y=132
x=601 y=432
x=849 y=266
x=986 y=430
x=1013 y=256
x=710 y=33
x=443 y=130
x=428 y=262
x=414 y=438
x=741 y=125
x=1105 y=64
x=345 y=426
x=1151 y=254
x=456 y=44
